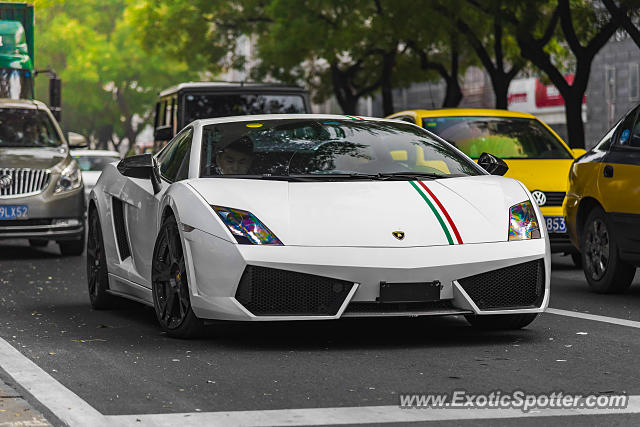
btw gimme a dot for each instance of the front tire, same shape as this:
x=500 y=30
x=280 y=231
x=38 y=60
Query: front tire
x=97 y=274
x=501 y=322
x=605 y=272
x=170 y=286
x=72 y=247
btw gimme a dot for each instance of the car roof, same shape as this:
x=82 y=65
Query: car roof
x=452 y=112
x=223 y=86
x=265 y=117
x=97 y=153
x=22 y=103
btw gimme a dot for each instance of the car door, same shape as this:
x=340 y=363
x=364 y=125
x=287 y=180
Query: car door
x=619 y=184
x=142 y=214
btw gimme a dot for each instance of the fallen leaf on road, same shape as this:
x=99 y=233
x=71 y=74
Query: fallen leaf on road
x=582 y=333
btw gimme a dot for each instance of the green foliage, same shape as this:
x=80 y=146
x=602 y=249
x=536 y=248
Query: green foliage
x=109 y=81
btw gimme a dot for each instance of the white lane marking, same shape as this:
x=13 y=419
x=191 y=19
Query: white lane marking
x=597 y=318
x=355 y=415
x=64 y=404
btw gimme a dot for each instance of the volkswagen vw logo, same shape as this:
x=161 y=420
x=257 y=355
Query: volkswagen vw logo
x=539 y=197
x=5 y=181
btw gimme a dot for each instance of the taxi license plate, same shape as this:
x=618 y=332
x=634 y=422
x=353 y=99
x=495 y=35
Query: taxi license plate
x=13 y=211
x=555 y=224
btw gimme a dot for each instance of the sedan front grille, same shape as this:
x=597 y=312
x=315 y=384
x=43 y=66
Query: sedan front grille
x=517 y=286
x=23 y=181
x=554 y=198
x=272 y=292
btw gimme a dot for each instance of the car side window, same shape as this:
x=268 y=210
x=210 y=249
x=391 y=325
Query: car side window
x=175 y=155
x=627 y=128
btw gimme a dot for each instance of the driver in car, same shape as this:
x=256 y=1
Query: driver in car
x=235 y=158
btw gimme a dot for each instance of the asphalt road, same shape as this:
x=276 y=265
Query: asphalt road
x=120 y=362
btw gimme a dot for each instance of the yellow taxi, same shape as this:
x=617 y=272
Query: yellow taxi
x=535 y=154
x=602 y=207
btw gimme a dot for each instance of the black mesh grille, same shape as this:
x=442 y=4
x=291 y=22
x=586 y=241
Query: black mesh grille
x=121 y=233
x=520 y=285
x=271 y=292
x=554 y=198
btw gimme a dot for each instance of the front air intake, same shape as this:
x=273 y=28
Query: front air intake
x=517 y=286
x=120 y=228
x=272 y=292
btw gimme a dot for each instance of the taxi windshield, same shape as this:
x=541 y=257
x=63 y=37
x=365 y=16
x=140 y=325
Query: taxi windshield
x=504 y=137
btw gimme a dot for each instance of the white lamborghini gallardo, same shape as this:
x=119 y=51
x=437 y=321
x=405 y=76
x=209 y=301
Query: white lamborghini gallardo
x=298 y=217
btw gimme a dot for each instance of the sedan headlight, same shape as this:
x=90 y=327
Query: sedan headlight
x=245 y=227
x=523 y=224
x=70 y=178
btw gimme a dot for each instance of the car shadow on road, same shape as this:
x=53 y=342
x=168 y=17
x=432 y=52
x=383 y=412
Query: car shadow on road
x=13 y=251
x=285 y=336
x=360 y=333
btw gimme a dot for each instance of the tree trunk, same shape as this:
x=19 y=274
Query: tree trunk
x=388 y=62
x=573 y=114
x=501 y=90
x=453 y=94
x=344 y=94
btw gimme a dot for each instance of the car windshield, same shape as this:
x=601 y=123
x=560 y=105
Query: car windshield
x=207 y=106
x=504 y=137
x=26 y=127
x=94 y=163
x=327 y=148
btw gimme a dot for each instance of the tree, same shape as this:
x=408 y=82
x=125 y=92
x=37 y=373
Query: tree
x=353 y=47
x=624 y=12
x=109 y=82
x=490 y=39
x=584 y=30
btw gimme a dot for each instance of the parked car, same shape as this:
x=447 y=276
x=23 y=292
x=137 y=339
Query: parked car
x=535 y=154
x=91 y=163
x=302 y=217
x=179 y=105
x=41 y=191
x=602 y=207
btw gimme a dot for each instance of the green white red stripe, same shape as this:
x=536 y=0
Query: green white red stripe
x=439 y=211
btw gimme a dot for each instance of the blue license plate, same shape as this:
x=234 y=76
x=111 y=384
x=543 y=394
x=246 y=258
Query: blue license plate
x=555 y=224
x=13 y=211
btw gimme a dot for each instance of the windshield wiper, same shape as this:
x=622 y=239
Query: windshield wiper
x=412 y=175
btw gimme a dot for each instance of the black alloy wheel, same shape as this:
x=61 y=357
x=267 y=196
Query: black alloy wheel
x=97 y=274
x=605 y=272
x=170 y=285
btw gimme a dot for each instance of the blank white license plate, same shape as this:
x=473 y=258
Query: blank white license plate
x=13 y=211
x=555 y=224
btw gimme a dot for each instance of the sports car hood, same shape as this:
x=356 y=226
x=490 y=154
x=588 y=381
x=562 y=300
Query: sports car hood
x=368 y=213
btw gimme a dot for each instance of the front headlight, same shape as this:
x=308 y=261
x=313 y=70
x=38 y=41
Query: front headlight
x=70 y=178
x=523 y=224
x=245 y=227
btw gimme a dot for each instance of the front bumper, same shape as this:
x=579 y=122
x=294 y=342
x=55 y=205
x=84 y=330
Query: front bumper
x=214 y=279
x=50 y=216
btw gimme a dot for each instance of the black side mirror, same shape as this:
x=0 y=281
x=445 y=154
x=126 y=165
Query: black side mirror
x=492 y=164
x=163 y=133
x=143 y=166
